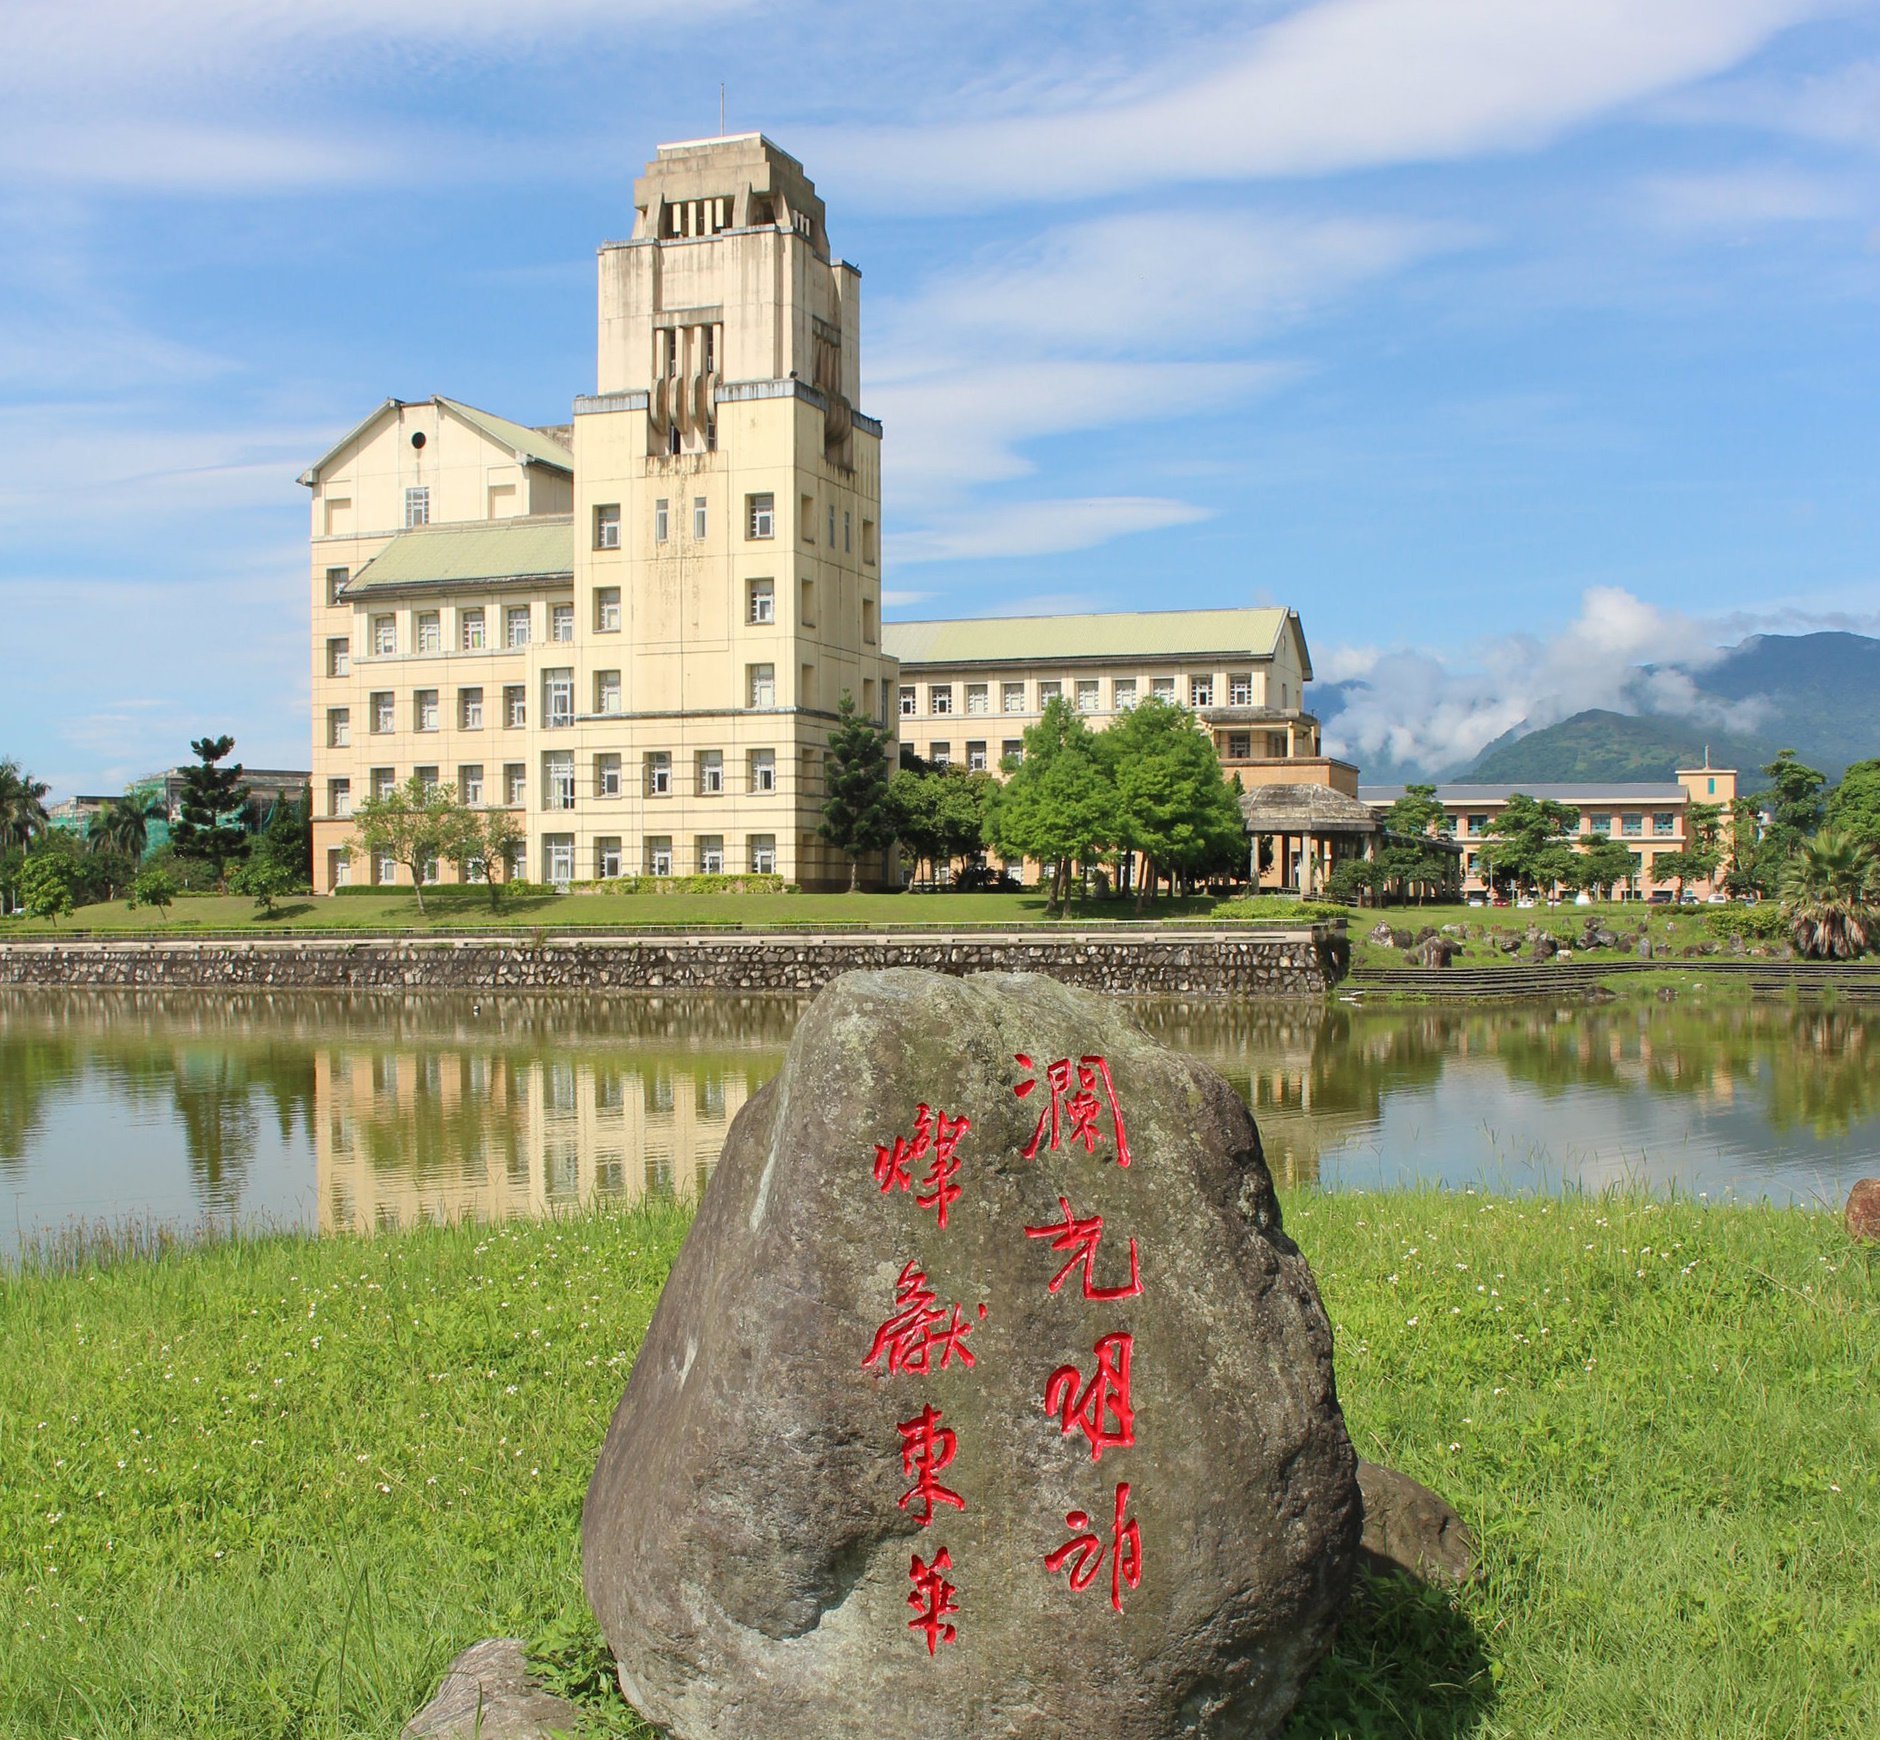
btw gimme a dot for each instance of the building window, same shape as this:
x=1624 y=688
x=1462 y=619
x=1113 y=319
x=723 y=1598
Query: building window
x=698 y=517
x=976 y=701
x=806 y=686
x=384 y=710
x=940 y=754
x=710 y=849
x=1276 y=747
x=975 y=758
x=762 y=602
x=336 y=579
x=1047 y=693
x=1087 y=694
x=384 y=782
x=832 y=525
x=384 y=636
x=868 y=698
x=558 y=859
x=711 y=773
x=557 y=699
x=659 y=854
x=763 y=770
x=869 y=632
x=1011 y=697
x=868 y=542
x=1478 y=825
x=424 y=709
x=607 y=857
x=806 y=518
x=607 y=691
x=763 y=854
x=1664 y=822
x=607 y=526
x=470 y=628
x=760 y=516
x=845 y=531
x=607 y=610
x=417 y=508
x=558 y=780
x=339 y=728
x=1632 y=826
x=338 y=658
x=662 y=521
x=808 y=610
x=561 y=623
x=426 y=778
x=515 y=705
x=516 y=625
x=939 y=699
x=1240 y=689
x=910 y=704
x=1011 y=752
x=607 y=776
x=430 y=632
x=339 y=798
x=1201 y=691
x=338 y=867
x=1240 y=746
x=658 y=773
x=1600 y=824
x=384 y=870
x=470 y=709
x=470 y=784
x=762 y=682
x=1123 y=694
x=515 y=783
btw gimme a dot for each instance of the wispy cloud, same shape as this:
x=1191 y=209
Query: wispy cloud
x=1041 y=528
x=1746 y=198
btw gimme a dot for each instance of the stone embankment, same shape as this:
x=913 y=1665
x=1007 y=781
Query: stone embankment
x=1224 y=964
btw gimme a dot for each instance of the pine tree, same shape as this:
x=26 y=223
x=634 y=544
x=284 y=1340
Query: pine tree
x=857 y=816
x=213 y=803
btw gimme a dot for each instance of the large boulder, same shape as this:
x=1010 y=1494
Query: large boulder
x=952 y=1422
x=1863 y=1209
x=1409 y=1528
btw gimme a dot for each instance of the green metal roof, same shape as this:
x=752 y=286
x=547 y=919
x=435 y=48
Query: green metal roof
x=477 y=553
x=1133 y=634
x=532 y=444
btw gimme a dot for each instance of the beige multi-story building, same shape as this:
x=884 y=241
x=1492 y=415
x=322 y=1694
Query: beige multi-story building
x=634 y=630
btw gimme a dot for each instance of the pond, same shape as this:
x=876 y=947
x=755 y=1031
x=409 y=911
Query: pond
x=332 y=1114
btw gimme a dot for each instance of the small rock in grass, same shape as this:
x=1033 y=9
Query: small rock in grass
x=487 y=1694
x=1407 y=1527
x=1863 y=1210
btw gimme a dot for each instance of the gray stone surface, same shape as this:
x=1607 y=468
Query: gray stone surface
x=1407 y=1527
x=1432 y=951
x=1863 y=1209
x=1299 y=963
x=487 y=1695
x=746 y=1546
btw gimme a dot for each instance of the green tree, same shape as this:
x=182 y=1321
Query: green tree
x=1853 y=807
x=1530 y=844
x=1058 y=806
x=1830 y=893
x=1683 y=866
x=264 y=878
x=1355 y=878
x=481 y=848
x=46 y=885
x=211 y=808
x=22 y=805
x=123 y=825
x=154 y=886
x=1740 y=873
x=939 y=812
x=1418 y=812
x=856 y=816
x=288 y=837
x=414 y=824
x=1603 y=864
x=1172 y=803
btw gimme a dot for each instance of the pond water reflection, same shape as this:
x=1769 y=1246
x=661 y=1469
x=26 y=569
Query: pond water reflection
x=353 y=1114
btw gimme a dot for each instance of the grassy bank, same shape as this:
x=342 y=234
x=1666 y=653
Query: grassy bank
x=450 y=910
x=1679 y=931
x=271 y=1488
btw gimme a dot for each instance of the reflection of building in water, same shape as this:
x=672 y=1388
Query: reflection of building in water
x=441 y=1135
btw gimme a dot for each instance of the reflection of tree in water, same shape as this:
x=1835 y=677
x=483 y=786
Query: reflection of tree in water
x=216 y=1102
x=33 y=1066
x=447 y=1115
x=1828 y=1079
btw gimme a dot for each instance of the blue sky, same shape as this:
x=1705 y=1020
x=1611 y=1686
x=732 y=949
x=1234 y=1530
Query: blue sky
x=1512 y=341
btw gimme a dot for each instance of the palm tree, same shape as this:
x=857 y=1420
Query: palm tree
x=22 y=805
x=1831 y=896
x=123 y=825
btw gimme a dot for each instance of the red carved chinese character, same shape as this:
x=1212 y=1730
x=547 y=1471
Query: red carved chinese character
x=933 y=1599
x=1083 y=1552
x=1103 y=1399
x=1081 y=1108
x=926 y=1448
x=936 y=1140
x=908 y=1339
x=1080 y=1238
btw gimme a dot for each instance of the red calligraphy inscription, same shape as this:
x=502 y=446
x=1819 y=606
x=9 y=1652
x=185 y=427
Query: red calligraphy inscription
x=932 y=1599
x=1080 y=1238
x=1100 y=1410
x=1074 y=1109
x=936 y=1140
x=1084 y=1552
x=926 y=1449
x=919 y=1330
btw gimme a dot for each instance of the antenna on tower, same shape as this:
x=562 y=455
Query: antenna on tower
x=721 y=110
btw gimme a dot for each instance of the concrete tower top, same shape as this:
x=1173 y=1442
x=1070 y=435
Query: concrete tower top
x=701 y=187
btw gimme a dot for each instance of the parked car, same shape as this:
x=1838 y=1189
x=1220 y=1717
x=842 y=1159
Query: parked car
x=1659 y=897
x=1478 y=900
x=1688 y=897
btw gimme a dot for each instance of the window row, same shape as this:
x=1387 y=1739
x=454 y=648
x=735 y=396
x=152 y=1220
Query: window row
x=978 y=760
x=1024 y=696
x=1631 y=824
x=758 y=523
x=656 y=772
x=659 y=855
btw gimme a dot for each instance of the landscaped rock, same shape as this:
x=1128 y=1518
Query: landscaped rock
x=1432 y=951
x=1544 y=948
x=1644 y=948
x=1863 y=1209
x=487 y=1694
x=1381 y=933
x=1407 y=1527
x=1107 y=1388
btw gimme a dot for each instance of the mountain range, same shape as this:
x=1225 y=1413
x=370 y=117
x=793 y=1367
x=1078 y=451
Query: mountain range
x=1818 y=694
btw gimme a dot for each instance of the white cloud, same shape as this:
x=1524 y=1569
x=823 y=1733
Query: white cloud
x=1040 y=528
x=1743 y=199
x=1338 y=85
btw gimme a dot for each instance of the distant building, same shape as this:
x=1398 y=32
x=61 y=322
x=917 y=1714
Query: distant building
x=267 y=787
x=1649 y=819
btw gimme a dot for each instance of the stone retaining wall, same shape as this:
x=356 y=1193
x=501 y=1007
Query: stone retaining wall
x=1296 y=963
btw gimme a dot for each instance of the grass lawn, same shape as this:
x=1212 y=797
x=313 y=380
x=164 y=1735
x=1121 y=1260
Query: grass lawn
x=270 y=1488
x=451 y=910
